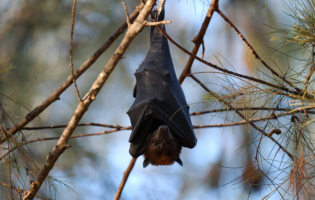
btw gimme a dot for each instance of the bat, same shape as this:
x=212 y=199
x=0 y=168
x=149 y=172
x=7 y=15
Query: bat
x=159 y=116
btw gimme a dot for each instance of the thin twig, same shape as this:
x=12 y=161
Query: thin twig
x=82 y=124
x=191 y=114
x=245 y=121
x=121 y=128
x=203 y=49
x=287 y=112
x=19 y=192
x=57 y=138
x=245 y=108
x=157 y=23
x=71 y=40
x=124 y=179
x=127 y=14
x=87 y=64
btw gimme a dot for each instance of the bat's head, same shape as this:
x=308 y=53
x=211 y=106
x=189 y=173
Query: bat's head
x=161 y=148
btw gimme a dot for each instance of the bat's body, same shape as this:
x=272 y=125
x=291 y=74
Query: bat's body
x=159 y=101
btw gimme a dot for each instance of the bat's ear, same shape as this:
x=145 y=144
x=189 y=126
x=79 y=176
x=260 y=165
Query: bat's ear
x=146 y=162
x=179 y=161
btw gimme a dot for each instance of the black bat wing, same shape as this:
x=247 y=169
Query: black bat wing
x=159 y=97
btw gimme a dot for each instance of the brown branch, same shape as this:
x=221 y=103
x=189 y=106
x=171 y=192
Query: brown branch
x=244 y=108
x=203 y=49
x=127 y=14
x=71 y=40
x=256 y=54
x=125 y=177
x=198 y=39
x=61 y=145
x=309 y=75
x=57 y=138
x=55 y=95
x=21 y=191
x=121 y=128
x=245 y=121
x=191 y=114
x=158 y=23
x=82 y=124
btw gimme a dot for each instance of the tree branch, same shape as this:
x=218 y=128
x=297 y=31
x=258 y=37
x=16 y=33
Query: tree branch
x=121 y=128
x=245 y=121
x=198 y=40
x=71 y=40
x=125 y=177
x=248 y=108
x=82 y=124
x=118 y=127
x=158 y=23
x=57 y=138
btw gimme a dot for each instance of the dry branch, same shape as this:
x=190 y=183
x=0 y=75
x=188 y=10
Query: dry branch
x=198 y=40
x=57 y=138
x=158 y=23
x=125 y=177
x=71 y=41
x=81 y=124
x=117 y=126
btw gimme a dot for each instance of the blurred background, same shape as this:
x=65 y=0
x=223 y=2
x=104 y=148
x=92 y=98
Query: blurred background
x=34 y=51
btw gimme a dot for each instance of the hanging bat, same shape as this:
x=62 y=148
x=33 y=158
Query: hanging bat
x=160 y=119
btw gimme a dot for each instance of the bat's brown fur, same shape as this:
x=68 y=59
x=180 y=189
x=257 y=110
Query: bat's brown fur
x=161 y=147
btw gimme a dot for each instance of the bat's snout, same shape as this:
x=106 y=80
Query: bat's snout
x=165 y=132
x=164 y=128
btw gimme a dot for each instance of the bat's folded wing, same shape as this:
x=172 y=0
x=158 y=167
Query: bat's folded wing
x=153 y=114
